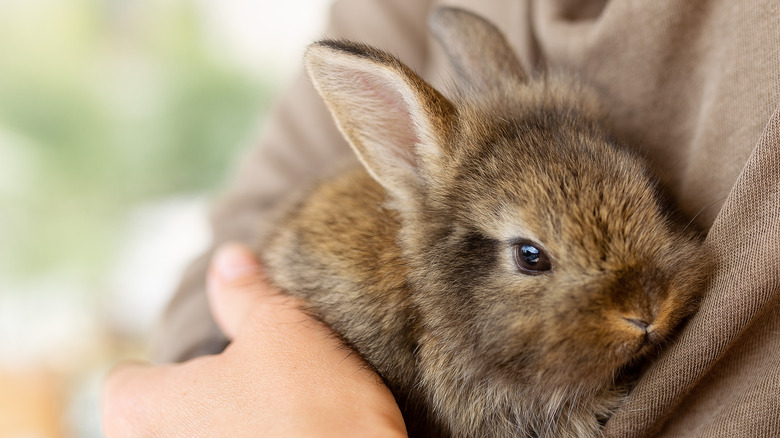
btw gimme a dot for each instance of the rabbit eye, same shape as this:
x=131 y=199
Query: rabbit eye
x=530 y=258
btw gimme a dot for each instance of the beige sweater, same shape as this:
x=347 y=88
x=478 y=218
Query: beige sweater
x=692 y=84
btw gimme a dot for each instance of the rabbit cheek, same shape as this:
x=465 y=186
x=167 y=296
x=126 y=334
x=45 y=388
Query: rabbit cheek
x=590 y=337
x=585 y=353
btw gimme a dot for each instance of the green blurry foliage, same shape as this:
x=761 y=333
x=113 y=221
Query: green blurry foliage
x=104 y=105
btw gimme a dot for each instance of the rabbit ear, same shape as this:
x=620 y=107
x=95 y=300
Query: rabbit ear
x=393 y=119
x=479 y=52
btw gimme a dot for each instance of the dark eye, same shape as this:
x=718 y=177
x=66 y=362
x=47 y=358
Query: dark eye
x=530 y=258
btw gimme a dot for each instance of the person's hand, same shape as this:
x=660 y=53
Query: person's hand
x=283 y=375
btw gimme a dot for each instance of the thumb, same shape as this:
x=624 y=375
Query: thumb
x=235 y=282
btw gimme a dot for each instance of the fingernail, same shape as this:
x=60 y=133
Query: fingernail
x=233 y=261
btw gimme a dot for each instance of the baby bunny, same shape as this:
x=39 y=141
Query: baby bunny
x=498 y=260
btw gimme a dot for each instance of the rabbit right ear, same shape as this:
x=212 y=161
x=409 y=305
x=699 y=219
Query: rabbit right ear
x=396 y=122
x=482 y=57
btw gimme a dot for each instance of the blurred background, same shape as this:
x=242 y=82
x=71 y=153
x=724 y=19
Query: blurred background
x=119 y=121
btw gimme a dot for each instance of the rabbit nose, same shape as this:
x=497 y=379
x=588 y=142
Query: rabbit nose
x=640 y=323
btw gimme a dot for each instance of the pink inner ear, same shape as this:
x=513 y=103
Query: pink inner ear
x=387 y=121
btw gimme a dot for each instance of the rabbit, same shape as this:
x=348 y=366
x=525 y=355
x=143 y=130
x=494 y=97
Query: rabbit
x=497 y=258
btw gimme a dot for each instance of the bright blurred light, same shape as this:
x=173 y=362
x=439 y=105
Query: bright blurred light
x=161 y=240
x=263 y=35
x=118 y=120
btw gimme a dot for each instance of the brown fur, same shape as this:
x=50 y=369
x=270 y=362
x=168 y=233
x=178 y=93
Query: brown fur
x=411 y=262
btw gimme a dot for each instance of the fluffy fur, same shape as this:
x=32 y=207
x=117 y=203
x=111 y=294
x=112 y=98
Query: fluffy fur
x=411 y=258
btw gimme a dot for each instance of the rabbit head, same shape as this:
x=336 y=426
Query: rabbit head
x=540 y=253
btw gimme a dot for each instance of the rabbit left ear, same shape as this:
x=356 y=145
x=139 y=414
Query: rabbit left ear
x=395 y=121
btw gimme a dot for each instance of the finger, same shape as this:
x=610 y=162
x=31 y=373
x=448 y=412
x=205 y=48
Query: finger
x=122 y=406
x=235 y=283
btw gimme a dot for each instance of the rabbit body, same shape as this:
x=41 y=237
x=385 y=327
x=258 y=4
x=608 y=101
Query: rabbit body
x=497 y=259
